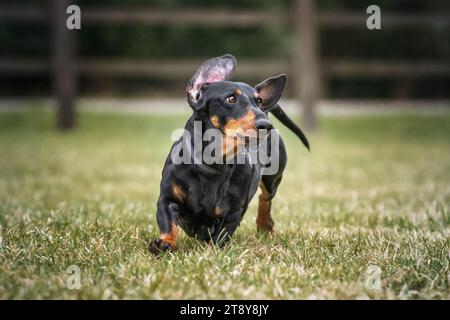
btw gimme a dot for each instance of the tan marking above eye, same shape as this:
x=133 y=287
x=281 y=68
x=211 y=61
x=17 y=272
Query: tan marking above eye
x=238 y=92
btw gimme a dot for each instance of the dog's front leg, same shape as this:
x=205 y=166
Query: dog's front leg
x=166 y=217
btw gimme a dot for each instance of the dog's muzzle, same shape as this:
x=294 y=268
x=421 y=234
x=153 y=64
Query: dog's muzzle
x=253 y=142
x=263 y=124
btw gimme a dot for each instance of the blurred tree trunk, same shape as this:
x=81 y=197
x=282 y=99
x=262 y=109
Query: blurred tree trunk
x=306 y=60
x=64 y=75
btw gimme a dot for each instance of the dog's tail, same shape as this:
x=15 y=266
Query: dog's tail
x=284 y=119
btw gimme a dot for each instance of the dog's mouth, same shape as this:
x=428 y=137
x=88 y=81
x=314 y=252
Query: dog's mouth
x=244 y=141
x=251 y=143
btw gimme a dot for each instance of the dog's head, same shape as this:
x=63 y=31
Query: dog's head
x=237 y=109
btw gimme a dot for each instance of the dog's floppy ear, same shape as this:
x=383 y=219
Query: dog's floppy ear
x=213 y=70
x=270 y=91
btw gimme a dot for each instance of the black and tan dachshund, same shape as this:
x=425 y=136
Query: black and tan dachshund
x=206 y=200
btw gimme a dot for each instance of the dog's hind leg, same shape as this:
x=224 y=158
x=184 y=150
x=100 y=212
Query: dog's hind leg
x=269 y=186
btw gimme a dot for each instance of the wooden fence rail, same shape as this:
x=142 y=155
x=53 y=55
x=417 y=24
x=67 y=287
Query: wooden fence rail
x=231 y=18
x=304 y=64
x=182 y=69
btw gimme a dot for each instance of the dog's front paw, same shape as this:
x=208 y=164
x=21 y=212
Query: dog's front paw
x=158 y=247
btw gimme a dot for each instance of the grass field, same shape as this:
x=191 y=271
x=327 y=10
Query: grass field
x=374 y=191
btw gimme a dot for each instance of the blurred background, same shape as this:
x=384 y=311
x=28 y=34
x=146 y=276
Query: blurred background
x=373 y=191
x=149 y=48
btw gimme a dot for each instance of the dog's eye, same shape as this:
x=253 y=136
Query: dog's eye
x=231 y=99
x=259 y=102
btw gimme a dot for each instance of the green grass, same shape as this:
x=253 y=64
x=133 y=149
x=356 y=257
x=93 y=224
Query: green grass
x=373 y=191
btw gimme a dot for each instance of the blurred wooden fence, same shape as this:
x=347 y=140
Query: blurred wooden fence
x=308 y=69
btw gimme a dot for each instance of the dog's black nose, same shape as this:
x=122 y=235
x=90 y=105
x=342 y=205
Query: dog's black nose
x=263 y=124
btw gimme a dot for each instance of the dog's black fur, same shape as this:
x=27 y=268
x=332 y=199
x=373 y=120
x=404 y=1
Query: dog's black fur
x=209 y=201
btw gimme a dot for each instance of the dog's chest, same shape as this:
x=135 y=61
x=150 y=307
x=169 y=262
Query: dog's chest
x=228 y=192
x=216 y=199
